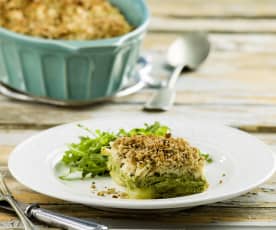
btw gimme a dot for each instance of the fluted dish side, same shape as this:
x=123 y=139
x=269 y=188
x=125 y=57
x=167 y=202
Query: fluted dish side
x=73 y=70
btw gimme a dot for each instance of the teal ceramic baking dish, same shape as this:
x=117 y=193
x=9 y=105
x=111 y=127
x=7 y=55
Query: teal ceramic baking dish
x=73 y=70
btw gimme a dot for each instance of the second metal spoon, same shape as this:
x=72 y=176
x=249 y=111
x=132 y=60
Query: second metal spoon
x=188 y=52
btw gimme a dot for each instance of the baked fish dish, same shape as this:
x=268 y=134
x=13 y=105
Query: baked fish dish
x=156 y=167
x=148 y=162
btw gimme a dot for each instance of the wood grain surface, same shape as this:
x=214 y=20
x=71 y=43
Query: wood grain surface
x=236 y=86
x=217 y=8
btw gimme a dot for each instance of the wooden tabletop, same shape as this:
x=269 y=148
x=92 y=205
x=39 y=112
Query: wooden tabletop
x=236 y=86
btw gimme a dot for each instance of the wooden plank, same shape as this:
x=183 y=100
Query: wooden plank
x=200 y=215
x=253 y=43
x=203 y=97
x=204 y=214
x=246 y=80
x=14 y=137
x=178 y=25
x=45 y=116
x=137 y=225
x=4 y=154
x=252 y=118
x=215 y=8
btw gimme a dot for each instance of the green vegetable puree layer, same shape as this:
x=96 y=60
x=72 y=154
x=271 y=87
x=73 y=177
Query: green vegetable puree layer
x=157 y=186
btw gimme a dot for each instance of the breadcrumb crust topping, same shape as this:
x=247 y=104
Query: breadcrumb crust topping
x=159 y=154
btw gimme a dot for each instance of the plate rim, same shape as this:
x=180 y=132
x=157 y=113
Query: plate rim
x=124 y=204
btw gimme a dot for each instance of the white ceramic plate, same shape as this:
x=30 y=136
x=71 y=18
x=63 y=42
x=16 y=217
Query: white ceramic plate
x=244 y=160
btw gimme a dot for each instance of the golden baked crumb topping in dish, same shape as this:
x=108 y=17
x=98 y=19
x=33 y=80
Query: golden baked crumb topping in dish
x=63 y=19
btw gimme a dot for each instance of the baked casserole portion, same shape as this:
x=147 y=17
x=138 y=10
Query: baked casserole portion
x=63 y=19
x=156 y=167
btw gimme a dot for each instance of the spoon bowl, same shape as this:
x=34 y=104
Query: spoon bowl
x=188 y=51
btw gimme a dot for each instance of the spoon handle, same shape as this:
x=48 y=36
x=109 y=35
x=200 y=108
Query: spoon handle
x=174 y=77
x=164 y=98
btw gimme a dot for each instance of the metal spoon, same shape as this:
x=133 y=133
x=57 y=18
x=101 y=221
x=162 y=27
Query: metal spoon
x=188 y=52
